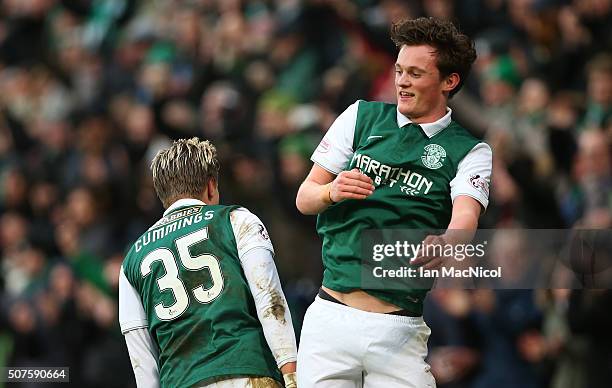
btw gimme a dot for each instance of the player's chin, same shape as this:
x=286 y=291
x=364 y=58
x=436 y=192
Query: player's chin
x=405 y=108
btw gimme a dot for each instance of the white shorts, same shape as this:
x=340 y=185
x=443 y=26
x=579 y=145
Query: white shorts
x=343 y=347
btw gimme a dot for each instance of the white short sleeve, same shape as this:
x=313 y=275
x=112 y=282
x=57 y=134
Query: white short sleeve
x=249 y=231
x=131 y=313
x=336 y=149
x=474 y=175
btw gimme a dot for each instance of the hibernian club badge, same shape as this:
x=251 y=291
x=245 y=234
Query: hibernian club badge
x=433 y=156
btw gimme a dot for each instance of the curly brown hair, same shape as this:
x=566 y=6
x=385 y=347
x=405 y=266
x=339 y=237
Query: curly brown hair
x=455 y=50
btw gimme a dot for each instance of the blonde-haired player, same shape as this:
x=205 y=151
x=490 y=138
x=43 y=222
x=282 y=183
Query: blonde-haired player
x=200 y=301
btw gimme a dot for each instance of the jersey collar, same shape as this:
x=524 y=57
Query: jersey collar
x=430 y=129
x=183 y=203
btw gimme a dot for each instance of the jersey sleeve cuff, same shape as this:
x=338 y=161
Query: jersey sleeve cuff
x=133 y=325
x=324 y=167
x=282 y=361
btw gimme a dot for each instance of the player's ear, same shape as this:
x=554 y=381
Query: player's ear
x=212 y=192
x=450 y=82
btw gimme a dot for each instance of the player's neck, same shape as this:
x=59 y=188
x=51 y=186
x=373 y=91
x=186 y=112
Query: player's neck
x=430 y=117
x=187 y=198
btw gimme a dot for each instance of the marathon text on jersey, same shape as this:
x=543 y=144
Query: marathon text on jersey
x=385 y=174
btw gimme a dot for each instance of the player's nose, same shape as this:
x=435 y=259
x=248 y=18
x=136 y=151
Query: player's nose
x=402 y=81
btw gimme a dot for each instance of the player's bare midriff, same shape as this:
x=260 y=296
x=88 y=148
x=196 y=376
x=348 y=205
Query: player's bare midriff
x=363 y=301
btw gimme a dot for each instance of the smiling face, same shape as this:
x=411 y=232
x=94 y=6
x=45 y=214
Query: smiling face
x=422 y=92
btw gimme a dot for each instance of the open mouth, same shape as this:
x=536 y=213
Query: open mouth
x=406 y=94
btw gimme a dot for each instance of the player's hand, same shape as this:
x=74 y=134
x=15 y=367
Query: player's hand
x=452 y=363
x=431 y=255
x=289 y=376
x=351 y=185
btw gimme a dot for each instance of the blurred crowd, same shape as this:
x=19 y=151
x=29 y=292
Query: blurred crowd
x=91 y=89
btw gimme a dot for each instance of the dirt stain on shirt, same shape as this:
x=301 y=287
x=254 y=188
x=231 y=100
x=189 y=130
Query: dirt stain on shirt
x=277 y=307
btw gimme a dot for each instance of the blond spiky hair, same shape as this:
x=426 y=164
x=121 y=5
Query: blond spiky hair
x=184 y=169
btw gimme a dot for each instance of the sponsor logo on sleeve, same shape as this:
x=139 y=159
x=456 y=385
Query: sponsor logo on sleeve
x=323 y=146
x=479 y=184
x=263 y=233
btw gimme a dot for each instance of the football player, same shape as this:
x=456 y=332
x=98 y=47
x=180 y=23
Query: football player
x=390 y=166
x=200 y=300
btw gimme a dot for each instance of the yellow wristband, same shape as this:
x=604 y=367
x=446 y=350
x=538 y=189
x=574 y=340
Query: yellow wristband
x=329 y=198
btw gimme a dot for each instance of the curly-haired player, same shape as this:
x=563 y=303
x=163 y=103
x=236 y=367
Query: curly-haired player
x=390 y=166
